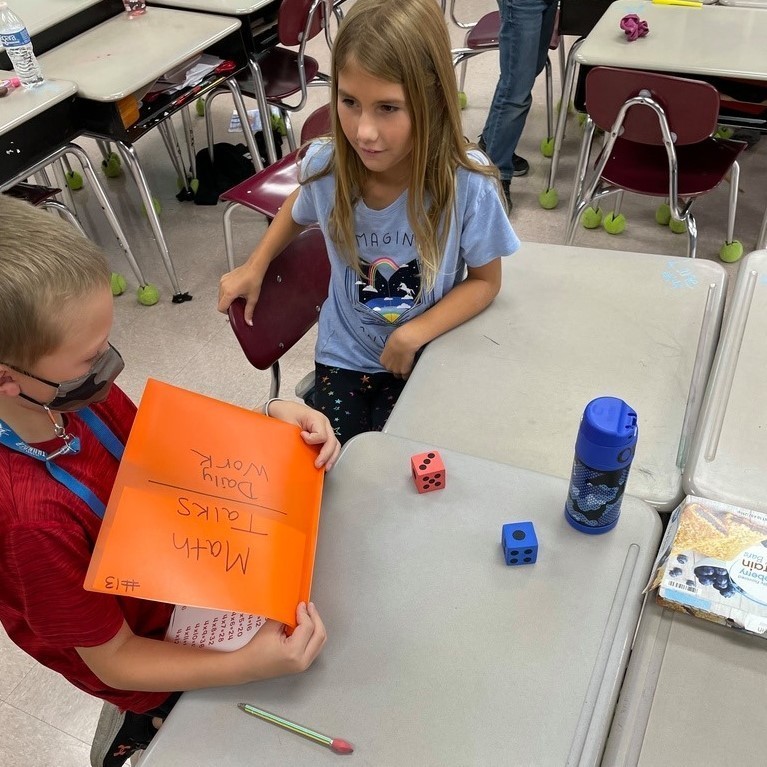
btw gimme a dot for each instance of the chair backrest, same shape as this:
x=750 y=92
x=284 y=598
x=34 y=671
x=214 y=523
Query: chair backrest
x=691 y=106
x=294 y=288
x=318 y=123
x=579 y=17
x=293 y=18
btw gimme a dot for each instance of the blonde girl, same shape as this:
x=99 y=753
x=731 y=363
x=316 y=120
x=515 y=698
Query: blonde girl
x=413 y=222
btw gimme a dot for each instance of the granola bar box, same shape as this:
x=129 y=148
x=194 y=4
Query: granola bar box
x=713 y=564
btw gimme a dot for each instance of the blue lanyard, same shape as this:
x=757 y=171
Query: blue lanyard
x=105 y=436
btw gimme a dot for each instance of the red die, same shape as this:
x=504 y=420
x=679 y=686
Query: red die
x=428 y=471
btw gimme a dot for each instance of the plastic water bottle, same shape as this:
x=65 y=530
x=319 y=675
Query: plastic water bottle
x=604 y=450
x=15 y=39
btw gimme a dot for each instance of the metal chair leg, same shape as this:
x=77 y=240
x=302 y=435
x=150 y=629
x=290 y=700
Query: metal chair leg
x=567 y=92
x=761 y=240
x=582 y=165
x=239 y=105
x=228 y=238
x=263 y=108
x=549 y=101
x=167 y=133
x=733 y=205
x=692 y=235
x=65 y=213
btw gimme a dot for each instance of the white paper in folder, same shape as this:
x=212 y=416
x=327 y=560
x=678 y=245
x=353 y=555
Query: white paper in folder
x=212 y=629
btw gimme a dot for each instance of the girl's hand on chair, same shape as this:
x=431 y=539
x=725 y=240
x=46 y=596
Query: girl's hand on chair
x=242 y=281
x=399 y=352
x=315 y=429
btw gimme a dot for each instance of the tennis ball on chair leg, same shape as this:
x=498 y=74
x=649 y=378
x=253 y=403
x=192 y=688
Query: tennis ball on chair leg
x=118 y=284
x=614 y=224
x=591 y=219
x=74 y=180
x=199 y=107
x=731 y=252
x=663 y=214
x=155 y=204
x=112 y=166
x=463 y=100
x=148 y=295
x=548 y=199
x=547 y=147
x=677 y=226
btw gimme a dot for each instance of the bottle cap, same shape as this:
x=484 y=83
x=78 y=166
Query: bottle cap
x=607 y=434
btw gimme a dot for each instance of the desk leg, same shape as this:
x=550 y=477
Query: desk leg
x=239 y=105
x=761 y=241
x=130 y=160
x=263 y=108
x=106 y=206
x=174 y=152
x=564 y=107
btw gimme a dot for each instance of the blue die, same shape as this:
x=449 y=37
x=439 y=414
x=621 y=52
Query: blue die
x=520 y=543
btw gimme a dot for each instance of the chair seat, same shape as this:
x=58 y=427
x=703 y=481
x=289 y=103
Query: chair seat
x=266 y=191
x=279 y=69
x=34 y=194
x=485 y=32
x=643 y=169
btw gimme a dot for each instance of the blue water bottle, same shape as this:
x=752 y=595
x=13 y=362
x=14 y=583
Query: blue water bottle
x=604 y=450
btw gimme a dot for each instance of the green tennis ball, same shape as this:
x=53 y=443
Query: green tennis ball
x=118 y=284
x=614 y=224
x=548 y=199
x=677 y=226
x=199 y=107
x=663 y=214
x=155 y=204
x=591 y=219
x=148 y=295
x=112 y=167
x=194 y=185
x=581 y=118
x=722 y=131
x=547 y=147
x=74 y=180
x=731 y=252
x=278 y=124
x=463 y=100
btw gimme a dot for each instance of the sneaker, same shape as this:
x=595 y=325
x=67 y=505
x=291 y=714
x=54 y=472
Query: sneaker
x=119 y=735
x=520 y=164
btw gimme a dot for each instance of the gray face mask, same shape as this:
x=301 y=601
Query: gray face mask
x=78 y=393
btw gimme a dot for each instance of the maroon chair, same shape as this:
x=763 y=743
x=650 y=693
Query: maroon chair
x=281 y=73
x=658 y=143
x=293 y=291
x=482 y=36
x=265 y=191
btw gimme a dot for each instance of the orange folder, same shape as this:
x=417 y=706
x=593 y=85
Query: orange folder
x=213 y=506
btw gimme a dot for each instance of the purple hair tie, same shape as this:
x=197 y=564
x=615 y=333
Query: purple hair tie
x=634 y=27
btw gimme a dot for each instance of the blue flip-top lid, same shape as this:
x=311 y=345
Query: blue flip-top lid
x=607 y=434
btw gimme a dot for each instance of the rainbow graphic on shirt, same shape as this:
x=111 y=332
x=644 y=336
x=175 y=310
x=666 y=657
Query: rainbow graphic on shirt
x=390 y=290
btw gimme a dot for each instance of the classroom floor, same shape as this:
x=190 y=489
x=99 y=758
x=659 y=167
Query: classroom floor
x=46 y=722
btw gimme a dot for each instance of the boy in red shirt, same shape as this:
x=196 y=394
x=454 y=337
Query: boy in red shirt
x=62 y=427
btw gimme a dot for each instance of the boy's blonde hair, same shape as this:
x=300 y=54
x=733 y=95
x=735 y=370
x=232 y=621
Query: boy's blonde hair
x=404 y=42
x=44 y=261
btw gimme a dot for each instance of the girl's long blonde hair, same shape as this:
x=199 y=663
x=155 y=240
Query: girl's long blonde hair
x=404 y=42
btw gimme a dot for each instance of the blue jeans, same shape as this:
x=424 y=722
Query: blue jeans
x=526 y=28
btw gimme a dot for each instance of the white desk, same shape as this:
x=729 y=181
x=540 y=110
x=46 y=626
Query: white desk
x=122 y=55
x=224 y=7
x=690 y=697
x=729 y=454
x=709 y=41
x=571 y=324
x=439 y=655
x=745 y=3
x=24 y=104
x=39 y=15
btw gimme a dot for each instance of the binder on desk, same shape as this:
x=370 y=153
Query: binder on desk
x=213 y=506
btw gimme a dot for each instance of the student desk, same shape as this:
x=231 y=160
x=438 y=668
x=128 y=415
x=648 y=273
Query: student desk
x=439 y=654
x=745 y=3
x=571 y=324
x=692 y=695
x=729 y=454
x=119 y=58
x=710 y=41
x=37 y=126
x=259 y=25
